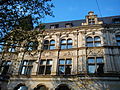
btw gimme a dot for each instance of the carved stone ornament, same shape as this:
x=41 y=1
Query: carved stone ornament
x=94 y=52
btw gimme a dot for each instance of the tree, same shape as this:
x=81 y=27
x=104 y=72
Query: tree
x=14 y=12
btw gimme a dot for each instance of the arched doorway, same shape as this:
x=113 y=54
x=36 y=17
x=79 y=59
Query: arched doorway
x=21 y=87
x=63 y=87
x=41 y=87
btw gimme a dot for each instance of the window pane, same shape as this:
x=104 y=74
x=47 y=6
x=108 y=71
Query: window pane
x=117 y=37
x=52 y=47
x=91 y=60
x=8 y=63
x=61 y=69
x=63 y=41
x=69 y=46
x=23 y=88
x=29 y=69
x=91 y=68
x=118 y=43
x=52 y=42
x=63 y=46
x=43 y=62
x=46 y=47
x=68 y=61
x=48 y=70
x=29 y=48
x=97 y=44
x=69 y=41
x=30 y=62
x=89 y=44
x=61 y=61
x=97 y=38
x=49 y=62
x=89 y=39
x=1 y=49
x=100 y=69
x=25 y=62
x=23 y=70
x=41 y=69
x=68 y=69
x=99 y=59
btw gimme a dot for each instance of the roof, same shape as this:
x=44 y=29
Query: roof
x=75 y=23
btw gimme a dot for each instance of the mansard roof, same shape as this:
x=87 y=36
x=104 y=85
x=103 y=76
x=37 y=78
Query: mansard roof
x=75 y=23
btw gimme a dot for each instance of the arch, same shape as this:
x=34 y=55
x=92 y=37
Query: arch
x=97 y=38
x=21 y=86
x=52 y=41
x=63 y=87
x=89 y=39
x=40 y=87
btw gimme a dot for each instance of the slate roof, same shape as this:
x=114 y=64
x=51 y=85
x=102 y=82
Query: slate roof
x=106 y=20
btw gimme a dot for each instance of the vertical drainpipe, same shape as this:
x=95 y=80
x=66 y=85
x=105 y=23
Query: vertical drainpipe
x=77 y=52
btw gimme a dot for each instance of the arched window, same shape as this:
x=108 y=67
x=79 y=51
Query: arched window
x=62 y=87
x=93 y=42
x=97 y=41
x=21 y=87
x=89 y=42
x=66 y=44
x=52 y=44
x=32 y=45
x=69 y=43
x=63 y=44
x=49 y=45
x=41 y=87
x=118 y=40
x=46 y=44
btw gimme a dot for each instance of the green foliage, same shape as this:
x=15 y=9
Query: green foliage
x=13 y=14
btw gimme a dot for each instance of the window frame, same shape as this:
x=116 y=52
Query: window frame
x=49 y=45
x=118 y=40
x=65 y=65
x=93 y=42
x=45 y=65
x=95 y=64
x=66 y=44
x=32 y=45
x=91 y=21
x=27 y=67
x=4 y=67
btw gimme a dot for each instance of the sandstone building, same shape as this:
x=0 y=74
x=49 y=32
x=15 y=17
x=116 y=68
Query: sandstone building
x=71 y=55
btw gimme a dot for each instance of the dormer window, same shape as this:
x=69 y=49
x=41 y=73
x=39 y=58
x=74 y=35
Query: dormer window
x=54 y=26
x=91 y=21
x=68 y=25
x=116 y=20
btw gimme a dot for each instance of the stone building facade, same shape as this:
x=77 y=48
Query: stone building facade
x=71 y=55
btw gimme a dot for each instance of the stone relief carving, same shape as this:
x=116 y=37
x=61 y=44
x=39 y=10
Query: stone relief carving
x=69 y=53
x=94 y=52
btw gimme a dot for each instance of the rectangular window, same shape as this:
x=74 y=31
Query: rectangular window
x=91 y=21
x=64 y=66
x=45 y=66
x=26 y=67
x=95 y=65
x=4 y=67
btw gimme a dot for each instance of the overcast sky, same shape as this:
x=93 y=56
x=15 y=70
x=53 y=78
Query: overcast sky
x=66 y=10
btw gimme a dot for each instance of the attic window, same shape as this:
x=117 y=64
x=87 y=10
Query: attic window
x=68 y=25
x=54 y=26
x=91 y=21
x=116 y=20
